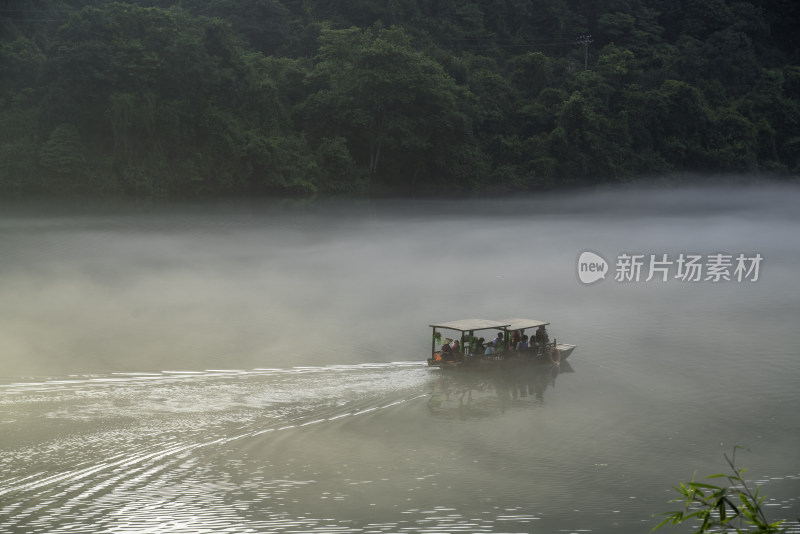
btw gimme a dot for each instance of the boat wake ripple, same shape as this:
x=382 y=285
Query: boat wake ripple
x=117 y=452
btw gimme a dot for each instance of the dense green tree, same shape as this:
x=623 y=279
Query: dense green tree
x=403 y=117
x=265 y=25
x=681 y=122
x=167 y=97
x=171 y=96
x=19 y=143
x=21 y=61
x=531 y=73
x=64 y=152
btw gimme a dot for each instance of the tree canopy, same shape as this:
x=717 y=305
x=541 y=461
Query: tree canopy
x=198 y=97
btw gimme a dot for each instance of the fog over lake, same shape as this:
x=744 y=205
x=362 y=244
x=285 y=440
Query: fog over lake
x=258 y=366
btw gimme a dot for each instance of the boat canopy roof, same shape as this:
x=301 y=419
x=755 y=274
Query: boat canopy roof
x=468 y=325
x=523 y=324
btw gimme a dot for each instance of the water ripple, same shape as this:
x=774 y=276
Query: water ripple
x=137 y=464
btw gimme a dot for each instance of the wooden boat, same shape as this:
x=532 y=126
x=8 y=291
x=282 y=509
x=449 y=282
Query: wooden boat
x=470 y=352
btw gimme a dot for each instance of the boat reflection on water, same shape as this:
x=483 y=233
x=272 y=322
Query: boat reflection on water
x=476 y=395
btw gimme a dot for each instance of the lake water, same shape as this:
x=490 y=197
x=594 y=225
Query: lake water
x=259 y=367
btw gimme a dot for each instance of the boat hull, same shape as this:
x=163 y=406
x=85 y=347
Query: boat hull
x=504 y=361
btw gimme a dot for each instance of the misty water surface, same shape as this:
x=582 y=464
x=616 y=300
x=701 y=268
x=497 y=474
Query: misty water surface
x=234 y=367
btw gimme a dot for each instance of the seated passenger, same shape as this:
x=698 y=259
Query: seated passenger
x=541 y=336
x=498 y=340
x=489 y=348
x=454 y=346
x=523 y=344
x=471 y=347
x=515 y=339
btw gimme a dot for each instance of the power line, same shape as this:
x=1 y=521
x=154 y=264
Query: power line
x=507 y=43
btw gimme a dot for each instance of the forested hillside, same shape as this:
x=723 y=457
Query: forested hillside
x=198 y=97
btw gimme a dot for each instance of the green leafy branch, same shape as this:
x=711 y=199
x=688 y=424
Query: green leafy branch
x=732 y=508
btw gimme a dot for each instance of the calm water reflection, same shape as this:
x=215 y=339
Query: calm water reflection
x=473 y=394
x=229 y=368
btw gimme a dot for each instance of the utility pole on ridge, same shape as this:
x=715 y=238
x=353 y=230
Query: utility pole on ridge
x=585 y=39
